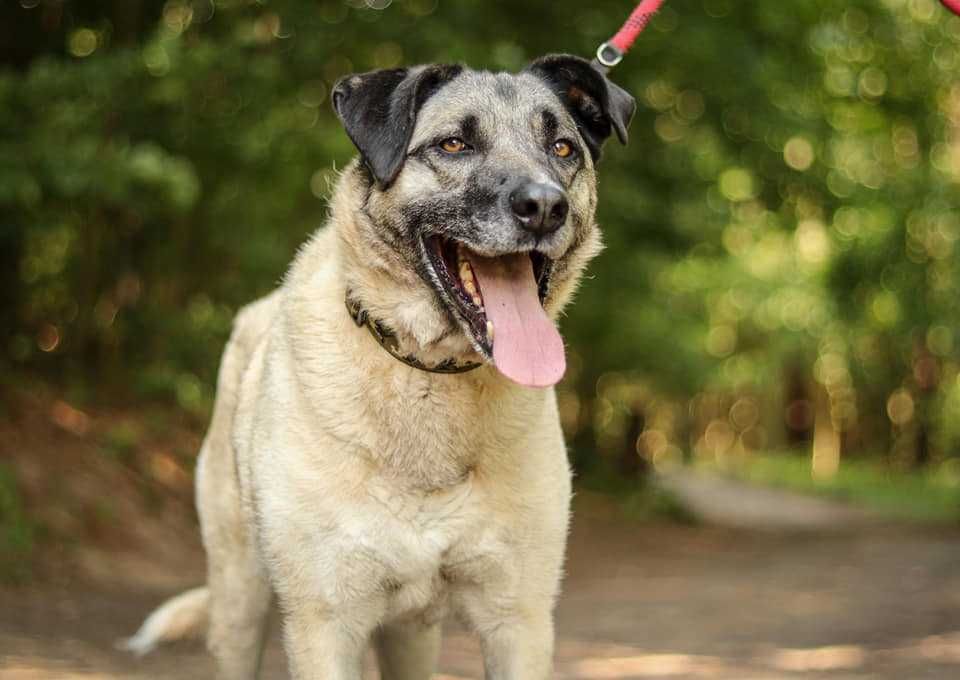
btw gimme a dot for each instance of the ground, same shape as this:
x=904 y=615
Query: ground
x=640 y=601
x=800 y=589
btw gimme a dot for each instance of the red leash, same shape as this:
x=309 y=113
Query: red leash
x=610 y=53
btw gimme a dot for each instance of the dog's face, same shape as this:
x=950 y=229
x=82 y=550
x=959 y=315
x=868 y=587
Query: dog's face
x=484 y=183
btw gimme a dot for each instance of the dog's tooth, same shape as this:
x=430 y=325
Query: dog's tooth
x=469 y=281
x=490 y=331
x=466 y=277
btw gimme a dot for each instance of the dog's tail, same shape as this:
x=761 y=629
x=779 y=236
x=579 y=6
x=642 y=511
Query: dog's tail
x=182 y=616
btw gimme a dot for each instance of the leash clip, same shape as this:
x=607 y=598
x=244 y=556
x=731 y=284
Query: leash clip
x=608 y=55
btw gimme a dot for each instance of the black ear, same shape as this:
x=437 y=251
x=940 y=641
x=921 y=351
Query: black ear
x=599 y=105
x=379 y=110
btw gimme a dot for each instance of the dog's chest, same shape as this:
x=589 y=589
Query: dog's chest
x=434 y=437
x=425 y=545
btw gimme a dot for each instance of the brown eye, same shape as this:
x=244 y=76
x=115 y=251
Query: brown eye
x=563 y=148
x=453 y=145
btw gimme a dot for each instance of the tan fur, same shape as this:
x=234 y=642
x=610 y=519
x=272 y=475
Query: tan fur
x=371 y=498
x=378 y=494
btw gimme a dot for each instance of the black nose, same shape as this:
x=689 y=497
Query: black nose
x=540 y=208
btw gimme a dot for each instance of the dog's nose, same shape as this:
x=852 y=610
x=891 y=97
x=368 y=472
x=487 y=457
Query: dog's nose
x=540 y=208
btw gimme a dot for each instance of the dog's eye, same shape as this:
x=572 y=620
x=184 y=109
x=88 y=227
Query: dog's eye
x=454 y=145
x=563 y=148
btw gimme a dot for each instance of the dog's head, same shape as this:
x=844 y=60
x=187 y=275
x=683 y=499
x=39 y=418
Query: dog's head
x=484 y=183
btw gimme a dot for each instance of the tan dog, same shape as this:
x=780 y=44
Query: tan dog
x=369 y=493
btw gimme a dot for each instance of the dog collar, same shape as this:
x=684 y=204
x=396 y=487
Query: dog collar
x=388 y=341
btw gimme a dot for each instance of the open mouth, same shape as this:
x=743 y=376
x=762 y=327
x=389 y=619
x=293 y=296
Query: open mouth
x=452 y=262
x=501 y=300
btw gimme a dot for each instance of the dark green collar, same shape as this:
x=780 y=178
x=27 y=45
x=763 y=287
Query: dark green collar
x=388 y=341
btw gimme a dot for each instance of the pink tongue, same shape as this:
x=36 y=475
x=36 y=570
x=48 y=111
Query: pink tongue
x=527 y=348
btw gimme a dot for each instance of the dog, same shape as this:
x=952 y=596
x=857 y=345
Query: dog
x=385 y=446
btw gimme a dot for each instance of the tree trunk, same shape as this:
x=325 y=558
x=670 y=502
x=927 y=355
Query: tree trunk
x=11 y=247
x=797 y=406
x=926 y=375
x=826 y=440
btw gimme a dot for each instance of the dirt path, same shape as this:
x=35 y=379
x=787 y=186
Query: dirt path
x=640 y=601
x=724 y=501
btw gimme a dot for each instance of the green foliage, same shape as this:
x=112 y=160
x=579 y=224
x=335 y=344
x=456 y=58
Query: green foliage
x=787 y=206
x=16 y=530
x=120 y=441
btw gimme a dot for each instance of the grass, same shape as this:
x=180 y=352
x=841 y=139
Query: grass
x=924 y=496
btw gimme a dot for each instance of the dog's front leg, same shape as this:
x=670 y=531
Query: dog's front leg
x=322 y=646
x=519 y=647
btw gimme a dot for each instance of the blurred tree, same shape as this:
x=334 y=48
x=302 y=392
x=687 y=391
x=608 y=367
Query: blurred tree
x=786 y=210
